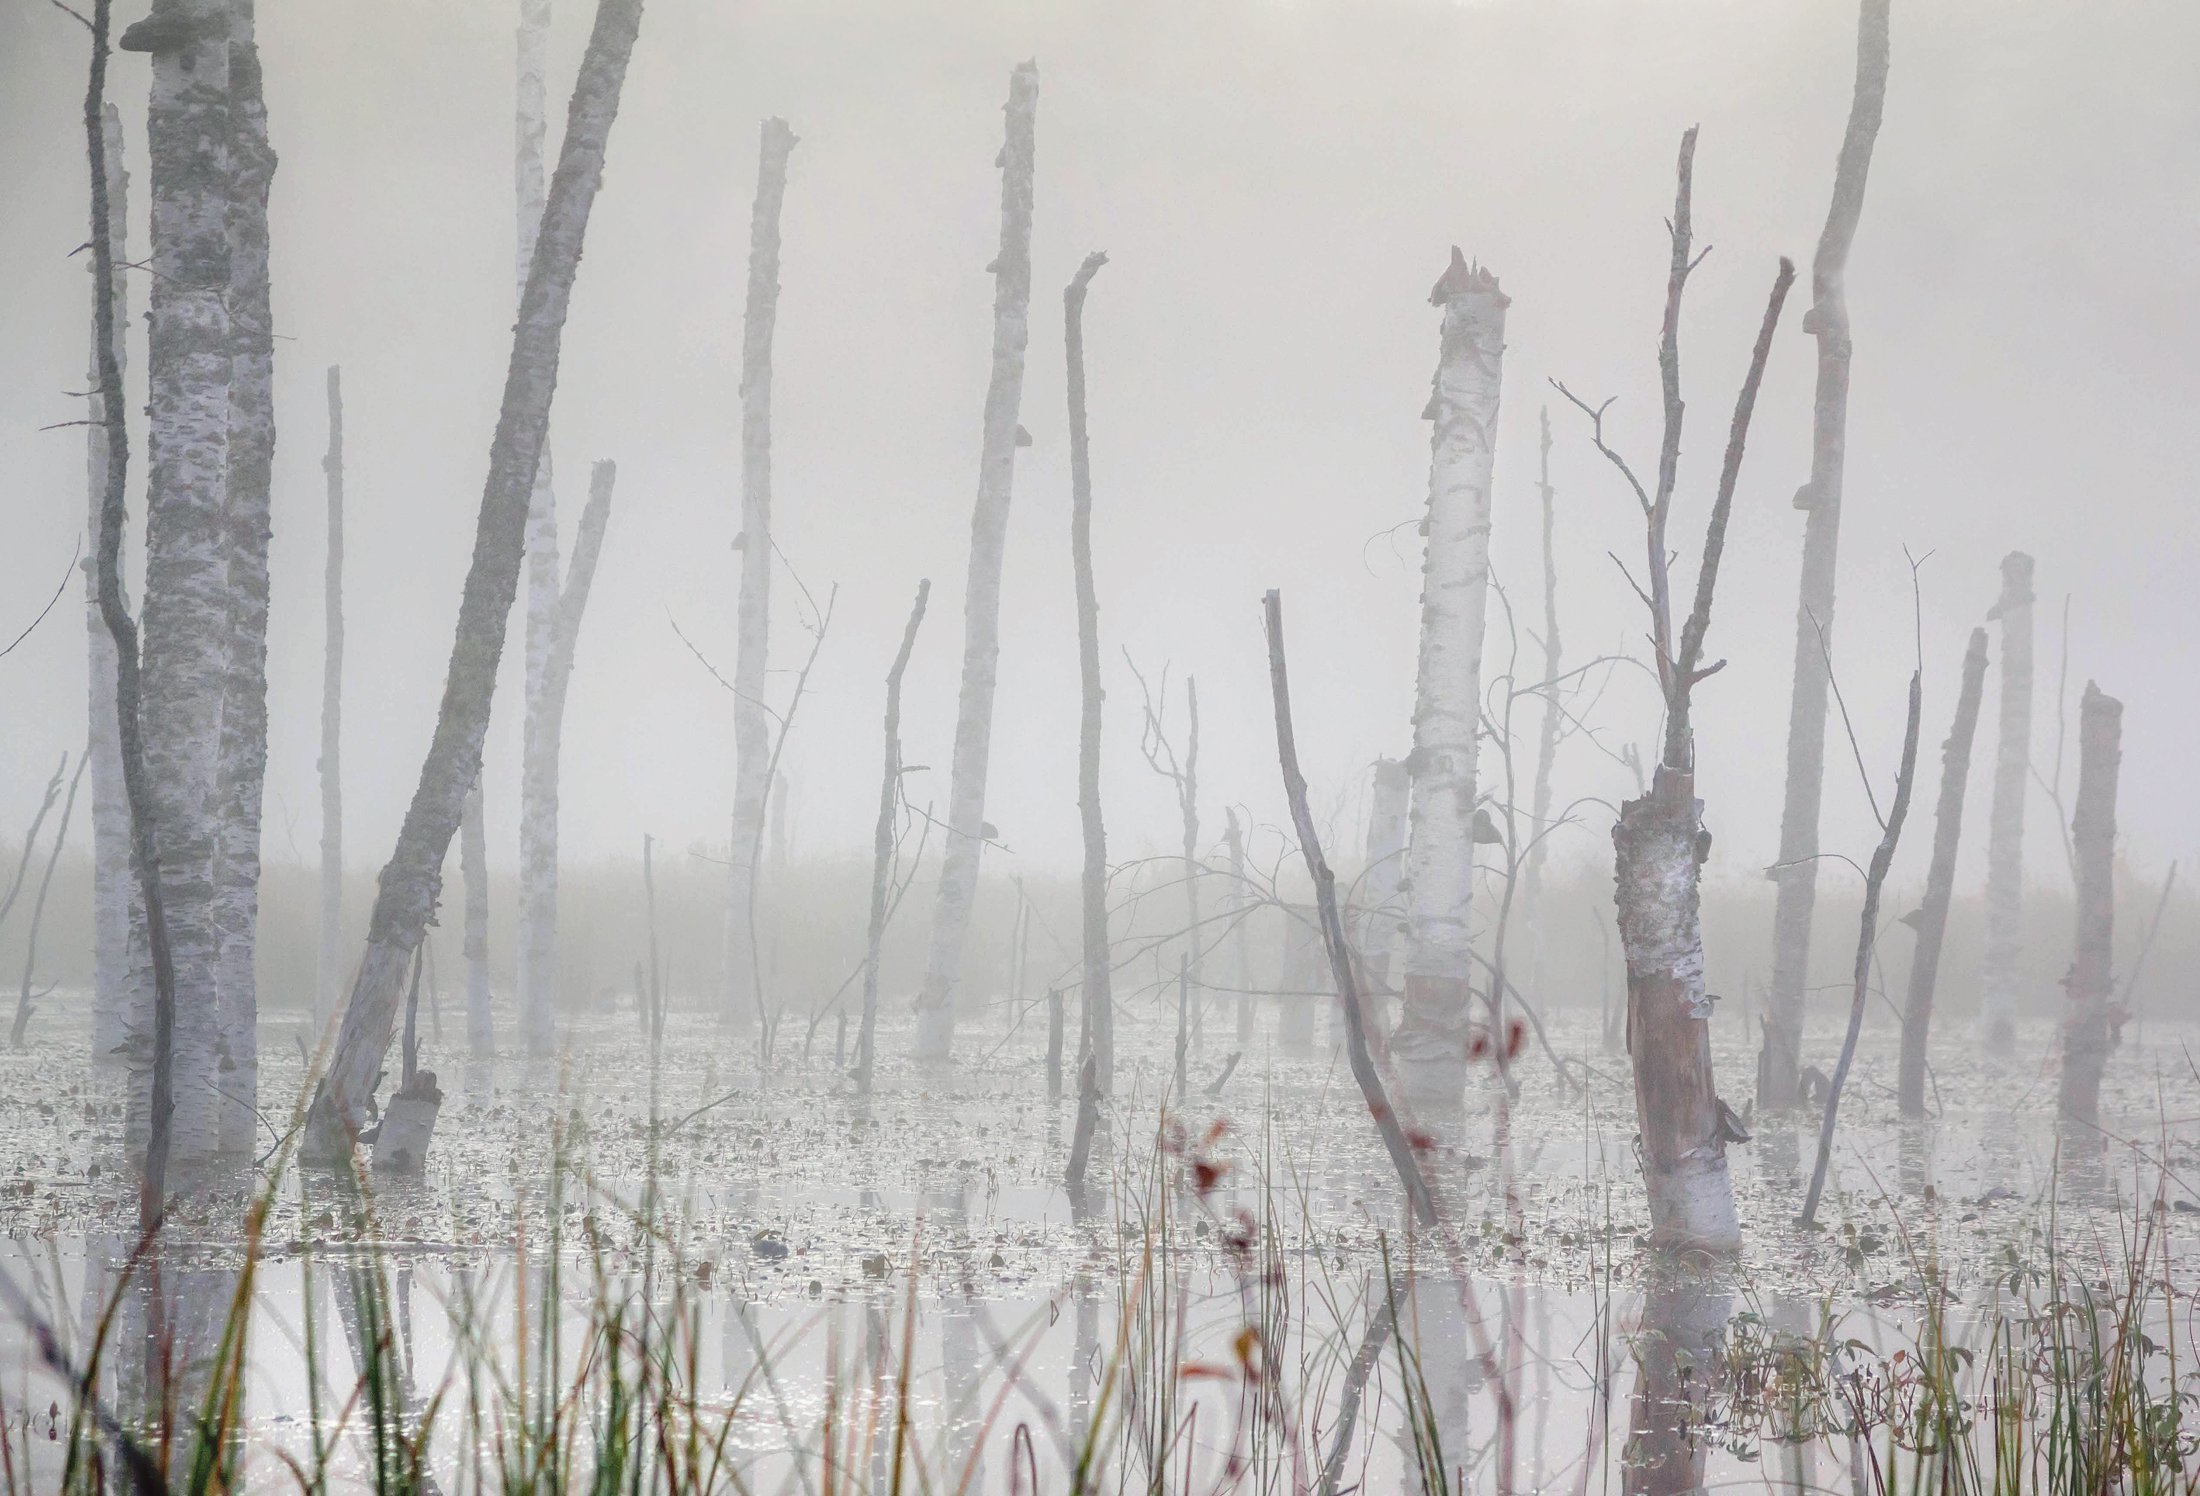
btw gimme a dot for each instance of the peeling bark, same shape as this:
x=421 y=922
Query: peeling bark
x=2093 y=1019
x=410 y=884
x=1828 y=320
x=752 y=737
x=2000 y=974
x=1429 y=1046
x=1011 y=271
x=1931 y=918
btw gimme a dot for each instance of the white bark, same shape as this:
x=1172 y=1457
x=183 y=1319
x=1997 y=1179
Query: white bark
x=186 y=616
x=2000 y=975
x=752 y=737
x=1011 y=270
x=473 y=857
x=242 y=775
x=410 y=884
x=121 y=1004
x=329 y=974
x=1429 y=1048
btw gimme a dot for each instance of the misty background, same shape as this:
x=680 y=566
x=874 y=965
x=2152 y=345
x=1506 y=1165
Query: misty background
x=1276 y=184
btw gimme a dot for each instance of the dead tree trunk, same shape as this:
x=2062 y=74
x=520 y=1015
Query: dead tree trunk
x=1011 y=271
x=1931 y=918
x=1241 y=946
x=1386 y=846
x=186 y=617
x=752 y=738
x=329 y=973
x=2000 y=974
x=1796 y=873
x=473 y=861
x=25 y=1003
x=1546 y=745
x=1096 y=1048
x=882 y=842
x=121 y=1005
x=1660 y=841
x=2092 y=1019
x=410 y=882
x=1429 y=1048
x=241 y=777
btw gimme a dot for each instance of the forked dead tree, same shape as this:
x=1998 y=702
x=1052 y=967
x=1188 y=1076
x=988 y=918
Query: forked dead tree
x=1660 y=841
x=1931 y=917
x=2000 y=976
x=2092 y=1018
x=410 y=883
x=966 y=836
x=1796 y=873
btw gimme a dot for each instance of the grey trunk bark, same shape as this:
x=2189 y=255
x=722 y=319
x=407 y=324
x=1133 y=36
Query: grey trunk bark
x=1931 y=918
x=473 y=857
x=1546 y=744
x=1386 y=845
x=329 y=970
x=410 y=884
x=2001 y=975
x=1011 y=271
x=2091 y=1016
x=1241 y=943
x=752 y=736
x=882 y=843
x=1096 y=1055
x=1796 y=873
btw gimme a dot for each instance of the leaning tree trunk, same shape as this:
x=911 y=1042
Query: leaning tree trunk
x=2001 y=976
x=1429 y=1048
x=1546 y=744
x=752 y=736
x=2092 y=1018
x=242 y=776
x=1098 y=1049
x=1011 y=270
x=473 y=859
x=538 y=790
x=187 y=625
x=329 y=975
x=1931 y=918
x=121 y=1005
x=1796 y=873
x=410 y=883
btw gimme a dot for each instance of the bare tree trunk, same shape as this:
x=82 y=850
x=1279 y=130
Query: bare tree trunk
x=1386 y=846
x=1796 y=874
x=1241 y=948
x=1188 y=804
x=1096 y=1031
x=329 y=975
x=2092 y=1020
x=882 y=842
x=752 y=743
x=24 y=1003
x=473 y=858
x=1011 y=270
x=410 y=883
x=187 y=624
x=1429 y=1047
x=2000 y=974
x=121 y=1005
x=242 y=775
x=1546 y=746
x=1931 y=918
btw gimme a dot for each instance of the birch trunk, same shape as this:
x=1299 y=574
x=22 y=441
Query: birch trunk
x=752 y=736
x=882 y=843
x=242 y=775
x=1796 y=874
x=2001 y=976
x=329 y=976
x=473 y=858
x=121 y=1004
x=186 y=616
x=2092 y=1018
x=1386 y=846
x=1011 y=271
x=1429 y=1047
x=1546 y=745
x=1098 y=1026
x=410 y=883
x=1932 y=916
x=538 y=808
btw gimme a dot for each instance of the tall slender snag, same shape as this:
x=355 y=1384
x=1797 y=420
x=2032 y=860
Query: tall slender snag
x=25 y=1002
x=1429 y=1047
x=752 y=745
x=2000 y=973
x=2092 y=1017
x=329 y=973
x=1546 y=744
x=1386 y=846
x=1241 y=940
x=1796 y=873
x=1931 y=918
x=882 y=842
x=1011 y=271
x=1096 y=1030
x=473 y=861
x=411 y=881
